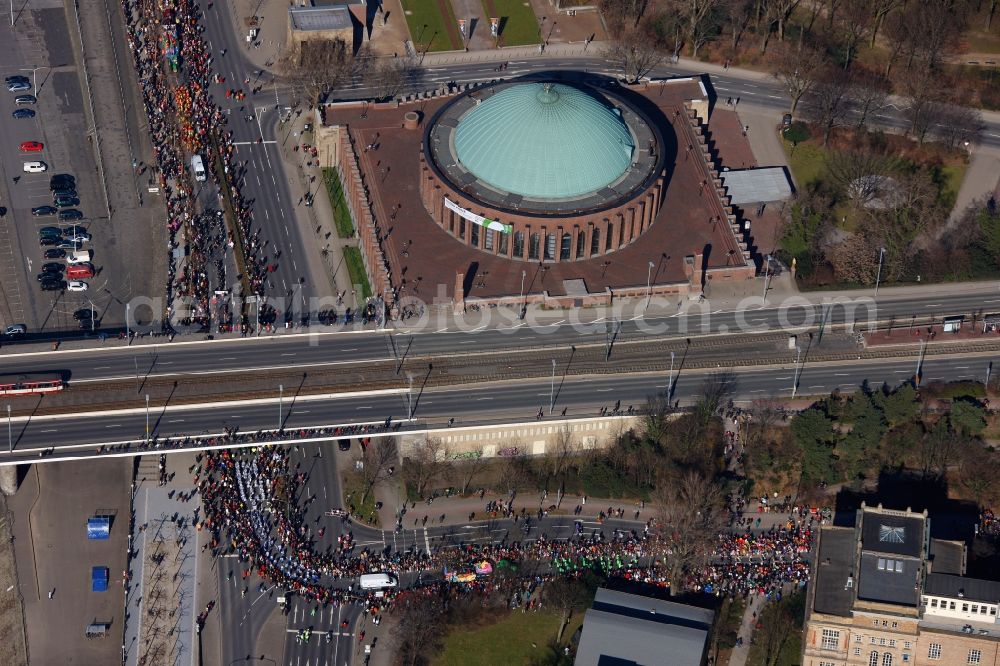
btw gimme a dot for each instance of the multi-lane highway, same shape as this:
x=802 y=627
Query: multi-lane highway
x=492 y=330
x=78 y=434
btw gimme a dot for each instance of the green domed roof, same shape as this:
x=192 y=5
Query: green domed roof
x=544 y=141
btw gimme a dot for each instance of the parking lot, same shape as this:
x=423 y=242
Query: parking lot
x=122 y=245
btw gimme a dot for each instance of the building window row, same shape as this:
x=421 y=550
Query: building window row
x=830 y=639
x=934 y=651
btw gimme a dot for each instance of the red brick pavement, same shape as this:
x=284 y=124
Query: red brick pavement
x=425 y=256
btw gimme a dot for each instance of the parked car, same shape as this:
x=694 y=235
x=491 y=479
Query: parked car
x=76 y=285
x=74 y=229
x=64 y=192
x=31 y=146
x=53 y=267
x=68 y=245
x=23 y=114
x=80 y=257
x=15 y=329
x=16 y=77
x=83 y=314
x=70 y=214
x=81 y=237
x=35 y=167
x=39 y=211
x=54 y=253
x=63 y=202
x=62 y=180
x=25 y=99
x=49 y=241
x=18 y=86
x=80 y=271
x=54 y=285
x=50 y=231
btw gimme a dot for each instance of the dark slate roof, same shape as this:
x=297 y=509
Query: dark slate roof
x=626 y=628
x=835 y=563
x=947 y=556
x=976 y=589
x=888 y=579
x=897 y=535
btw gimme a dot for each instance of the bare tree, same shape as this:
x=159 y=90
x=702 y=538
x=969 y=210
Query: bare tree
x=869 y=94
x=737 y=19
x=880 y=10
x=634 y=54
x=469 y=470
x=855 y=22
x=421 y=625
x=690 y=514
x=386 y=76
x=559 y=456
x=619 y=14
x=511 y=469
x=567 y=595
x=958 y=125
x=425 y=465
x=828 y=104
x=780 y=11
x=376 y=460
x=700 y=17
x=859 y=173
x=315 y=67
x=798 y=70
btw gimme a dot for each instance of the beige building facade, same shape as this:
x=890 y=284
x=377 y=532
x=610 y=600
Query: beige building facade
x=886 y=594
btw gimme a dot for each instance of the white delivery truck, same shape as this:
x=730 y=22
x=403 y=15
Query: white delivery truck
x=198 y=168
x=377 y=581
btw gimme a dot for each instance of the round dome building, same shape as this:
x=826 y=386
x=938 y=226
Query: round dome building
x=542 y=171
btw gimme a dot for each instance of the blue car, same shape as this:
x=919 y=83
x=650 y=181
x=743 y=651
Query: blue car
x=23 y=113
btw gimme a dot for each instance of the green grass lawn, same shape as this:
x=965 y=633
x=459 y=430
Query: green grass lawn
x=428 y=25
x=504 y=643
x=356 y=268
x=806 y=161
x=341 y=214
x=522 y=24
x=953 y=177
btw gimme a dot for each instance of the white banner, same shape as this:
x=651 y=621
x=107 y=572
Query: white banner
x=477 y=219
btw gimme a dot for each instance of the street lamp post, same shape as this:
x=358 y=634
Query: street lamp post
x=670 y=381
x=767 y=267
x=524 y=302
x=281 y=396
x=878 y=276
x=795 y=380
x=649 y=283
x=33 y=70
x=552 y=389
x=128 y=331
x=147 y=419
x=10 y=438
x=409 y=397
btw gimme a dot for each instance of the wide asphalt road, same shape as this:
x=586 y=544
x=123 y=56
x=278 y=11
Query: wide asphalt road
x=491 y=330
x=78 y=435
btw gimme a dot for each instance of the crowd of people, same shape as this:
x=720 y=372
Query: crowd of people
x=242 y=488
x=174 y=69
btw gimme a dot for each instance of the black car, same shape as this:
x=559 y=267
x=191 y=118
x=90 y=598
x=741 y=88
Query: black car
x=49 y=276
x=49 y=241
x=62 y=181
x=64 y=192
x=73 y=230
x=54 y=253
x=63 y=202
x=22 y=114
x=39 y=211
x=49 y=231
x=70 y=214
x=53 y=285
x=53 y=267
x=15 y=78
x=83 y=314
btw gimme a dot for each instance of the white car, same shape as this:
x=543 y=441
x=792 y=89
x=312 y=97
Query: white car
x=35 y=167
x=78 y=237
x=79 y=257
x=76 y=285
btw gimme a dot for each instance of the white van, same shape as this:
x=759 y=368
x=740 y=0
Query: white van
x=34 y=167
x=79 y=257
x=378 y=581
x=198 y=168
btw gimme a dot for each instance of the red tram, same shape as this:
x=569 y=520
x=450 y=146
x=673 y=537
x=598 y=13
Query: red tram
x=31 y=384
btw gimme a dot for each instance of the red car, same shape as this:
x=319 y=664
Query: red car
x=32 y=146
